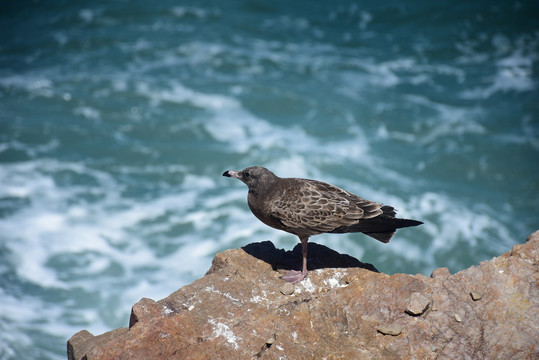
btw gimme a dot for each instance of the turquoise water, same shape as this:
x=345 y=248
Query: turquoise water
x=118 y=118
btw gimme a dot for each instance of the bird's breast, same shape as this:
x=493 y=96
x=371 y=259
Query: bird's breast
x=258 y=209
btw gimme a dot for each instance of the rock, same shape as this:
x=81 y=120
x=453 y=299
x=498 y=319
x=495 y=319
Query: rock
x=417 y=305
x=237 y=311
x=84 y=342
x=271 y=340
x=287 y=288
x=440 y=273
x=476 y=295
x=458 y=318
x=390 y=329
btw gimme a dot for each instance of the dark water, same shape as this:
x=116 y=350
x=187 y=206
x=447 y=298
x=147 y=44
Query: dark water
x=118 y=118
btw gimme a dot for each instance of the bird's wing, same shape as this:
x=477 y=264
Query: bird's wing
x=318 y=207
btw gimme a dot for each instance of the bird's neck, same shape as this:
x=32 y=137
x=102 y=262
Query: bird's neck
x=268 y=189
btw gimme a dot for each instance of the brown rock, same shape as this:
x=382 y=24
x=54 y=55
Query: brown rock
x=390 y=329
x=287 y=288
x=440 y=273
x=476 y=295
x=417 y=304
x=84 y=342
x=237 y=311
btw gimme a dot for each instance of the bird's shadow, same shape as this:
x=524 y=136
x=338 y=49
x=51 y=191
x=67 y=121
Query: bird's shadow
x=319 y=257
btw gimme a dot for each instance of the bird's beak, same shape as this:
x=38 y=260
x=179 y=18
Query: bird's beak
x=231 y=173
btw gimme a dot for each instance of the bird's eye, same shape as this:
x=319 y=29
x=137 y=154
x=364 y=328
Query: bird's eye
x=246 y=175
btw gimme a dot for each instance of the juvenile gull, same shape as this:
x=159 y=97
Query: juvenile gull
x=306 y=207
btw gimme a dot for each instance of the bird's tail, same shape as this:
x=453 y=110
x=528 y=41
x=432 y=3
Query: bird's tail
x=382 y=227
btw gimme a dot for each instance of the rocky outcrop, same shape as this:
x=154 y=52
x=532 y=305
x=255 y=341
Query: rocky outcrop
x=344 y=310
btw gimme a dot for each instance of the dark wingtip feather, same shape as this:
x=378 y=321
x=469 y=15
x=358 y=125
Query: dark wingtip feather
x=381 y=236
x=383 y=227
x=410 y=222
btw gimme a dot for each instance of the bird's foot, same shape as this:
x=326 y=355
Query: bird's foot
x=294 y=276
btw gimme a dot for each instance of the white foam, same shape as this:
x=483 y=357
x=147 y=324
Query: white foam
x=34 y=84
x=448 y=121
x=514 y=67
x=88 y=112
x=228 y=122
x=191 y=11
x=388 y=74
x=21 y=314
x=448 y=222
x=180 y=94
x=52 y=226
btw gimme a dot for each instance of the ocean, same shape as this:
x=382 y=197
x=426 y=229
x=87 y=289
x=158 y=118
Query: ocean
x=118 y=118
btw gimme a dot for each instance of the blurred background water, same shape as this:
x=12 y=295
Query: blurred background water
x=118 y=118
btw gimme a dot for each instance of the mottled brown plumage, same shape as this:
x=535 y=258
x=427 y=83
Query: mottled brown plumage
x=306 y=207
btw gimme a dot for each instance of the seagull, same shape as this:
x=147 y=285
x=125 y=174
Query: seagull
x=305 y=207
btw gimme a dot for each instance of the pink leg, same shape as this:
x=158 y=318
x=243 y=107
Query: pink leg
x=296 y=276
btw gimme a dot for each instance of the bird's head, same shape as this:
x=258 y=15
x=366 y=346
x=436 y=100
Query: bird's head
x=257 y=178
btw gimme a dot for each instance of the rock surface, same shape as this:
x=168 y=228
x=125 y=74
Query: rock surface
x=341 y=311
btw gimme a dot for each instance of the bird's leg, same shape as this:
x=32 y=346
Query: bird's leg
x=296 y=276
